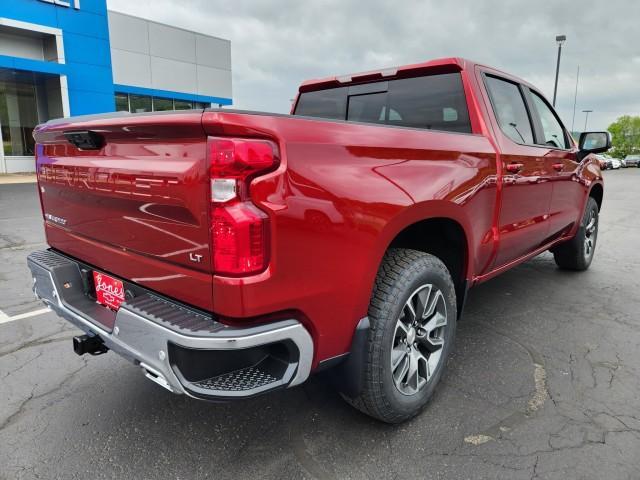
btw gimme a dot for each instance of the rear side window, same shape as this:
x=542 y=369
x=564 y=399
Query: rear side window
x=510 y=110
x=434 y=102
x=552 y=130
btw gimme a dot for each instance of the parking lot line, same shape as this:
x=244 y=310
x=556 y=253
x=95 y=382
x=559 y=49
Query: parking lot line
x=4 y=318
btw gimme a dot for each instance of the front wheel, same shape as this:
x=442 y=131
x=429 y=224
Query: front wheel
x=412 y=318
x=577 y=253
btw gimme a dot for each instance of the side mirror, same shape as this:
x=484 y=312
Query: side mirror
x=593 y=142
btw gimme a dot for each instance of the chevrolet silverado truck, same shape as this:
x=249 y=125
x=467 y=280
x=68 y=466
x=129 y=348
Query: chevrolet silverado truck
x=231 y=253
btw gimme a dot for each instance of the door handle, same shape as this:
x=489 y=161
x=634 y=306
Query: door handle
x=558 y=167
x=515 y=167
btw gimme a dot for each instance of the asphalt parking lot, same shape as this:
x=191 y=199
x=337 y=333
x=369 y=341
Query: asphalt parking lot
x=544 y=383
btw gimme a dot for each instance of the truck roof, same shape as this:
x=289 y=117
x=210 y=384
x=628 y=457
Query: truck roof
x=438 y=65
x=450 y=64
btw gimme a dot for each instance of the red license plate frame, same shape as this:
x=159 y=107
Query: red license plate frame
x=109 y=290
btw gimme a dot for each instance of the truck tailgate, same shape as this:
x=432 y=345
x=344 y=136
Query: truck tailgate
x=135 y=202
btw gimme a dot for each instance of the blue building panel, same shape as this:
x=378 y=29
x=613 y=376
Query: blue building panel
x=87 y=67
x=85 y=34
x=83 y=22
x=91 y=6
x=31 y=11
x=86 y=102
x=87 y=50
x=15 y=63
x=90 y=78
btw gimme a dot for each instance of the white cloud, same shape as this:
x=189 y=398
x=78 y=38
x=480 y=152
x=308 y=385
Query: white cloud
x=276 y=44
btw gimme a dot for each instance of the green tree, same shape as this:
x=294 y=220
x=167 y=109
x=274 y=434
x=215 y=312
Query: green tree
x=625 y=132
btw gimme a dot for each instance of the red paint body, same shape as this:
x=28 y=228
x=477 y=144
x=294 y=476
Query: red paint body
x=342 y=192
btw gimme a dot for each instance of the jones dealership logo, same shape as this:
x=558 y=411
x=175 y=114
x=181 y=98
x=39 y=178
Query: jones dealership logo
x=64 y=3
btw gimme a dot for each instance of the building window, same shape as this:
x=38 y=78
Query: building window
x=140 y=103
x=162 y=104
x=18 y=117
x=144 y=103
x=201 y=105
x=183 y=105
x=122 y=102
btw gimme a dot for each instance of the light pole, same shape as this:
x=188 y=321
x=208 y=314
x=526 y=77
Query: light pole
x=575 y=99
x=586 y=117
x=560 y=39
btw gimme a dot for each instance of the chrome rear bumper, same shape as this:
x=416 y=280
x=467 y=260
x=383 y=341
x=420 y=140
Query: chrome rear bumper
x=181 y=349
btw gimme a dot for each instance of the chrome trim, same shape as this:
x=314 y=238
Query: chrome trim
x=145 y=342
x=155 y=376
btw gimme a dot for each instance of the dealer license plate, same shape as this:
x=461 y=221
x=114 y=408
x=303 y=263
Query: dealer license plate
x=109 y=290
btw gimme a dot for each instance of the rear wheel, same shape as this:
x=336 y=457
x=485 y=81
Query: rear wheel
x=412 y=318
x=577 y=253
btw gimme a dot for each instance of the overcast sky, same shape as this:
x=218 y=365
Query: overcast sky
x=276 y=44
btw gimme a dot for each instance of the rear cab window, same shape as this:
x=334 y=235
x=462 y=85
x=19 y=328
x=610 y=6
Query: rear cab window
x=330 y=104
x=434 y=102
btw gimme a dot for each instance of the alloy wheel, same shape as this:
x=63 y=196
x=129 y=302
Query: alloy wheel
x=590 y=233
x=418 y=339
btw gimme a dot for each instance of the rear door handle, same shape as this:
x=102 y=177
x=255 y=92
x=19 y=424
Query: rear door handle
x=515 y=167
x=558 y=166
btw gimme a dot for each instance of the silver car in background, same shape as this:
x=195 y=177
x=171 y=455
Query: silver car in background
x=632 y=160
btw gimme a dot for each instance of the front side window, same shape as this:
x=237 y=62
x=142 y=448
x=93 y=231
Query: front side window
x=553 y=132
x=509 y=107
x=434 y=102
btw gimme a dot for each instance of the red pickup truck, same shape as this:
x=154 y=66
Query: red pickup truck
x=231 y=253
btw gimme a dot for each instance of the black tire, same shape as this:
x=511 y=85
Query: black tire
x=577 y=253
x=406 y=274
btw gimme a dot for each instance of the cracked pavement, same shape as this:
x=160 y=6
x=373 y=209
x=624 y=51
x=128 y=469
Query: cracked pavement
x=544 y=383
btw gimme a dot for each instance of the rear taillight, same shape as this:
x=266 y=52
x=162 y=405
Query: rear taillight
x=239 y=229
x=240 y=233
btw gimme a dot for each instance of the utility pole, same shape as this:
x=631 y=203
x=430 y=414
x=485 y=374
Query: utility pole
x=560 y=39
x=575 y=99
x=586 y=117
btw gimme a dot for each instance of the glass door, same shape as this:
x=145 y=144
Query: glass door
x=18 y=117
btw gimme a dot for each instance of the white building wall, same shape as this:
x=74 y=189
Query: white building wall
x=152 y=55
x=23 y=46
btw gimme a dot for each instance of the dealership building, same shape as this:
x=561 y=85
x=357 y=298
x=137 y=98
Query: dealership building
x=60 y=58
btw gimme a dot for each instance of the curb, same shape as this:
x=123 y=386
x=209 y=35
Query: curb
x=13 y=178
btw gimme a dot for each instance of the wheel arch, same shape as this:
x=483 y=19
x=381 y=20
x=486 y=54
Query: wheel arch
x=441 y=229
x=444 y=238
x=597 y=193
